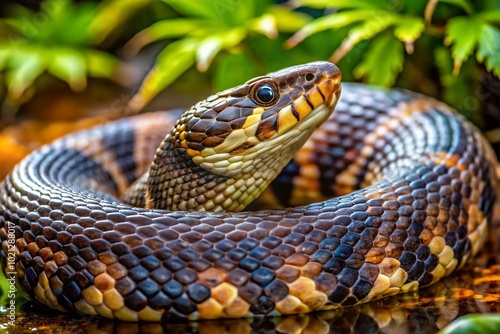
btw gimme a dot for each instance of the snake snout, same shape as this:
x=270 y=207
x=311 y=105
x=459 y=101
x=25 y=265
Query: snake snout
x=330 y=85
x=321 y=93
x=330 y=69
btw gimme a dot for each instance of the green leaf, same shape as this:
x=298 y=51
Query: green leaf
x=409 y=29
x=170 y=28
x=474 y=324
x=206 y=51
x=25 y=67
x=490 y=16
x=383 y=61
x=332 y=21
x=464 y=4
x=21 y=21
x=53 y=7
x=208 y=48
x=489 y=48
x=458 y=89
x=112 y=14
x=199 y=8
x=266 y=25
x=463 y=34
x=340 y=4
x=288 y=20
x=364 y=31
x=5 y=53
x=490 y=5
x=225 y=74
x=69 y=65
x=237 y=12
x=68 y=24
x=176 y=58
x=100 y=64
x=4 y=288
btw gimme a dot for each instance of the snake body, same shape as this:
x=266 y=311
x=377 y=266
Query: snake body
x=392 y=193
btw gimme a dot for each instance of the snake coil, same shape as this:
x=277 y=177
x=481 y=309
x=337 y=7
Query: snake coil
x=392 y=193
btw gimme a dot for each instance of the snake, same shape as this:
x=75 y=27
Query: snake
x=290 y=193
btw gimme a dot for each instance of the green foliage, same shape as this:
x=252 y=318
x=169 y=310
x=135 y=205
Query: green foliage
x=20 y=298
x=4 y=287
x=473 y=32
x=204 y=30
x=473 y=324
x=489 y=48
x=467 y=33
x=385 y=42
x=457 y=88
x=334 y=21
x=382 y=62
x=463 y=33
x=371 y=40
x=60 y=39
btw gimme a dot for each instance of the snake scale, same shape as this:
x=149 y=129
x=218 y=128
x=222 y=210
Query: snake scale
x=391 y=193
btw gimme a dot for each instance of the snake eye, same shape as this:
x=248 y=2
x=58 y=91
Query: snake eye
x=309 y=76
x=265 y=94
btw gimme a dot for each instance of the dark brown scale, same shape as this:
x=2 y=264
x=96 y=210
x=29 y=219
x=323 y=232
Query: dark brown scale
x=249 y=264
x=263 y=305
x=312 y=270
x=219 y=129
x=267 y=128
x=173 y=289
x=198 y=293
x=242 y=148
x=230 y=113
x=276 y=291
x=262 y=276
x=326 y=283
x=339 y=294
x=273 y=262
x=160 y=301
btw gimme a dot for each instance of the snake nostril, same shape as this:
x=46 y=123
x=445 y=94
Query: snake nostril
x=309 y=76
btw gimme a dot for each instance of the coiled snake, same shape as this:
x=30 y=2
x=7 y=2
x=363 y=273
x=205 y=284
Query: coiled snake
x=413 y=181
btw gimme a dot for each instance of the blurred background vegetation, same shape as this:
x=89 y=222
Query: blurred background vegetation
x=68 y=59
x=68 y=64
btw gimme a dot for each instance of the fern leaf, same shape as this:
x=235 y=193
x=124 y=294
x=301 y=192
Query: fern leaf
x=489 y=48
x=383 y=61
x=463 y=34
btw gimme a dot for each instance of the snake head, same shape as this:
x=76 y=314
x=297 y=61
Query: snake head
x=278 y=111
x=229 y=147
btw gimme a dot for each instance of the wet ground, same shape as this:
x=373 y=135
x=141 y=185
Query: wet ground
x=474 y=289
